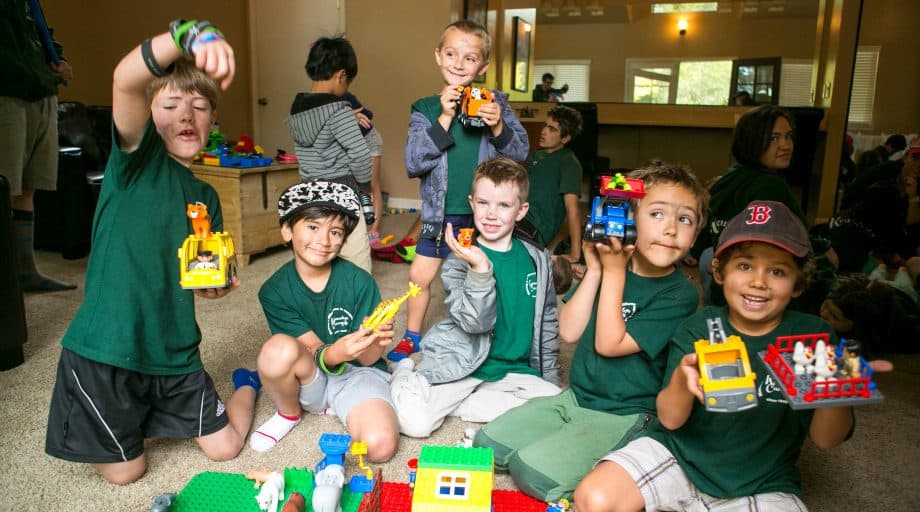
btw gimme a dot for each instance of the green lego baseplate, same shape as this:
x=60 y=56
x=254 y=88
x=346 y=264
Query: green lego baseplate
x=454 y=457
x=213 y=491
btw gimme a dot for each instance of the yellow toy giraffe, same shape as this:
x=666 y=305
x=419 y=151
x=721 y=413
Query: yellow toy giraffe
x=387 y=309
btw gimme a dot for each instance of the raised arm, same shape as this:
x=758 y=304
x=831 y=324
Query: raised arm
x=130 y=107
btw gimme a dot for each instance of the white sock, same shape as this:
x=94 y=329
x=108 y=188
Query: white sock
x=406 y=363
x=271 y=432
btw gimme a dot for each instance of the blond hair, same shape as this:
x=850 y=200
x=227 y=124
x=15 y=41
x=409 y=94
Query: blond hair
x=472 y=28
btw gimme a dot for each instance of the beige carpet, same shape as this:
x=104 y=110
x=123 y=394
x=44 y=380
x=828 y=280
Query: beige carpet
x=876 y=470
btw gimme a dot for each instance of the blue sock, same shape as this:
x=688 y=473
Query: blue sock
x=416 y=337
x=245 y=377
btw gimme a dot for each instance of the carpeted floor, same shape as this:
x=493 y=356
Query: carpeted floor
x=876 y=470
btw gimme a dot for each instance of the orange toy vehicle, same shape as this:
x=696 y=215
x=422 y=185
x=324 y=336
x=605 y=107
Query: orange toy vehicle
x=471 y=98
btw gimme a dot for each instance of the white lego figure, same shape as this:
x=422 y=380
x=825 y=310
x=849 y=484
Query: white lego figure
x=328 y=491
x=820 y=350
x=467 y=440
x=475 y=93
x=271 y=492
x=802 y=357
x=825 y=368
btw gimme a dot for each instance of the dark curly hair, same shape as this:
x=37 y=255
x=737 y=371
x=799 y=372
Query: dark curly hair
x=569 y=120
x=330 y=54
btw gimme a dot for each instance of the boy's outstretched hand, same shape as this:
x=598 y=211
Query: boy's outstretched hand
x=353 y=345
x=473 y=255
x=216 y=59
x=216 y=293
x=491 y=114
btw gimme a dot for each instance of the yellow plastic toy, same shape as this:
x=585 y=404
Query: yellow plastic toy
x=725 y=371
x=387 y=309
x=206 y=259
x=359 y=450
x=618 y=182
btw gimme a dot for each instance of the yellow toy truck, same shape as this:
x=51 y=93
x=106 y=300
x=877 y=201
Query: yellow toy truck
x=725 y=371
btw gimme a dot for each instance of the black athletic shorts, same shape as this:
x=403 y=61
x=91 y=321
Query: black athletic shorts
x=101 y=413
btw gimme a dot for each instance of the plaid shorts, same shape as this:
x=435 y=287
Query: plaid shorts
x=665 y=486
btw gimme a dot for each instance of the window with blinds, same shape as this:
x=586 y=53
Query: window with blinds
x=576 y=73
x=795 y=83
x=862 y=94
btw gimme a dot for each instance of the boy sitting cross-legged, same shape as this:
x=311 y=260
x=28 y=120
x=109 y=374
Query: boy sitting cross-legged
x=319 y=357
x=701 y=460
x=497 y=348
x=639 y=296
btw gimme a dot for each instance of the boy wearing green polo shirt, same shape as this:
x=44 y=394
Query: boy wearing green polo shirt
x=549 y=444
x=697 y=459
x=555 y=183
x=320 y=358
x=498 y=346
x=130 y=367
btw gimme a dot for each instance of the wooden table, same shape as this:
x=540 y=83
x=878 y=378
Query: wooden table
x=249 y=201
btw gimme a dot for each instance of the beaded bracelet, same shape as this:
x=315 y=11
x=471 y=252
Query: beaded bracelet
x=322 y=364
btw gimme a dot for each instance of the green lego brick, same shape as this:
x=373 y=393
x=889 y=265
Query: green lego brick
x=455 y=457
x=219 y=492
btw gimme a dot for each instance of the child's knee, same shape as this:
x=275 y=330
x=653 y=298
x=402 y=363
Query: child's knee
x=224 y=451
x=123 y=473
x=423 y=275
x=278 y=355
x=381 y=444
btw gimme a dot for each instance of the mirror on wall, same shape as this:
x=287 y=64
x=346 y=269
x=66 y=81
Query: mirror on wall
x=691 y=53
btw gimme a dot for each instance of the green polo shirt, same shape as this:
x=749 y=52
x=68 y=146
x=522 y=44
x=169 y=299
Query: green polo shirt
x=552 y=176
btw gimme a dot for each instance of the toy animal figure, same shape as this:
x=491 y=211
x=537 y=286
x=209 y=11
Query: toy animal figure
x=387 y=309
x=271 y=493
x=466 y=237
x=201 y=221
x=162 y=502
x=259 y=475
x=328 y=491
x=295 y=503
x=825 y=369
x=803 y=358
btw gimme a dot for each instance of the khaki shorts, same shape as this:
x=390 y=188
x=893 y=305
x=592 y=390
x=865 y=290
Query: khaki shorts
x=665 y=486
x=374 y=142
x=29 y=143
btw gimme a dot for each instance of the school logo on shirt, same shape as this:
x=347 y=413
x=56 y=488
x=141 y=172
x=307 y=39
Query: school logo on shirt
x=338 y=321
x=530 y=284
x=629 y=310
x=771 y=388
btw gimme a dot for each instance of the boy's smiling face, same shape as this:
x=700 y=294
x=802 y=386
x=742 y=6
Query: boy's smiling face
x=183 y=120
x=460 y=58
x=496 y=208
x=758 y=281
x=315 y=242
x=667 y=221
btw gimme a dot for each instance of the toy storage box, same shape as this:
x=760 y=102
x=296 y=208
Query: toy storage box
x=249 y=201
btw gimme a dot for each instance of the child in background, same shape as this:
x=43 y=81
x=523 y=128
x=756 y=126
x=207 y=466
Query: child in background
x=498 y=346
x=443 y=154
x=617 y=370
x=327 y=136
x=729 y=461
x=555 y=184
x=319 y=357
x=130 y=367
x=375 y=146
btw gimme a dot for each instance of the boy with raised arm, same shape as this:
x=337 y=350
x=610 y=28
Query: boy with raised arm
x=130 y=367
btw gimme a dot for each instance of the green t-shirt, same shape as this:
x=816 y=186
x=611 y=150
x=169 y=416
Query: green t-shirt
x=134 y=314
x=730 y=455
x=462 y=157
x=292 y=308
x=552 y=175
x=512 y=336
x=652 y=309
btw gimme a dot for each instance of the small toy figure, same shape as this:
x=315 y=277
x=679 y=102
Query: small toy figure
x=562 y=505
x=466 y=237
x=295 y=503
x=162 y=502
x=271 y=493
x=825 y=369
x=328 y=491
x=467 y=440
x=259 y=475
x=413 y=468
x=803 y=357
x=205 y=259
x=851 y=366
x=387 y=309
x=201 y=221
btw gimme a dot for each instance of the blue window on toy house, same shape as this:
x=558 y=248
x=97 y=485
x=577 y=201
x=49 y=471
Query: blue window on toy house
x=453 y=486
